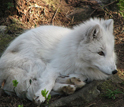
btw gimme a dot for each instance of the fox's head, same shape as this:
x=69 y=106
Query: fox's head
x=96 y=46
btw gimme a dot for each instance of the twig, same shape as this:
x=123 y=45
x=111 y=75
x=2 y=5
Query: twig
x=2 y=85
x=54 y=15
x=2 y=90
x=110 y=3
x=103 y=6
x=93 y=12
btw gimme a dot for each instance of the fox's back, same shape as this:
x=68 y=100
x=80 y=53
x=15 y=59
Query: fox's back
x=40 y=42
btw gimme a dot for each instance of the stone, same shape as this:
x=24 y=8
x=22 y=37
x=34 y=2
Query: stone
x=86 y=94
x=3 y=28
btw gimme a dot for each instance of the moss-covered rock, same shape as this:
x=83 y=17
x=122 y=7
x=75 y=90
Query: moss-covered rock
x=4 y=41
x=109 y=88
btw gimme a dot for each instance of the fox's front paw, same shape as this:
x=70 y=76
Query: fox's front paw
x=70 y=89
x=38 y=99
x=77 y=82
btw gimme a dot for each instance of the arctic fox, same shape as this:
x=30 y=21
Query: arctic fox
x=39 y=58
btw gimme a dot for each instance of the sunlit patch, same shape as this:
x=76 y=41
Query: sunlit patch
x=121 y=73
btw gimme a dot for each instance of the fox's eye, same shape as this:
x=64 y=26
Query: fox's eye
x=101 y=53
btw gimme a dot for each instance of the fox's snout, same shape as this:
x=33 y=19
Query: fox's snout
x=114 y=72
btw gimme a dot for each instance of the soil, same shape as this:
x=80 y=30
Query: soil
x=16 y=16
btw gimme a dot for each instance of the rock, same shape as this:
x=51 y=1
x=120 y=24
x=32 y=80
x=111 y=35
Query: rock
x=3 y=28
x=86 y=94
x=116 y=79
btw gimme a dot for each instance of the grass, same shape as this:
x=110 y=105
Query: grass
x=20 y=105
x=112 y=93
x=121 y=7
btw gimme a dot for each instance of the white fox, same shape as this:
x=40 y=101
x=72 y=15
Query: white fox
x=45 y=53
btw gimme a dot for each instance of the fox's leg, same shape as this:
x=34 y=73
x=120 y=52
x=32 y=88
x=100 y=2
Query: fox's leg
x=47 y=82
x=68 y=84
x=64 y=88
x=31 y=73
x=74 y=79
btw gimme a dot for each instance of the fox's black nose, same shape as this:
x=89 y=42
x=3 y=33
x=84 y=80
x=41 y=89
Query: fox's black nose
x=114 y=72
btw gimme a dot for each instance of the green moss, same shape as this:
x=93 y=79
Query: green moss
x=109 y=90
x=107 y=85
x=4 y=41
x=13 y=28
x=104 y=87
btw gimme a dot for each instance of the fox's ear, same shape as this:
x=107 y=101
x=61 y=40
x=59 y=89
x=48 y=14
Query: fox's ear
x=108 y=24
x=93 y=32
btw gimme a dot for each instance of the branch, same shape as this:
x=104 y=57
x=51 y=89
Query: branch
x=103 y=6
x=54 y=15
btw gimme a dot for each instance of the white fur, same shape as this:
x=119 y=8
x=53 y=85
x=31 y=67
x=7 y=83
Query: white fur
x=44 y=53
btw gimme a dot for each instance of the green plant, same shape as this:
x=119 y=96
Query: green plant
x=20 y=105
x=9 y=5
x=121 y=7
x=35 y=25
x=112 y=94
x=44 y=94
x=15 y=83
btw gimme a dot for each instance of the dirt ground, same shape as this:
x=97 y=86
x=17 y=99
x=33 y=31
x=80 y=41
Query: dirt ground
x=16 y=21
